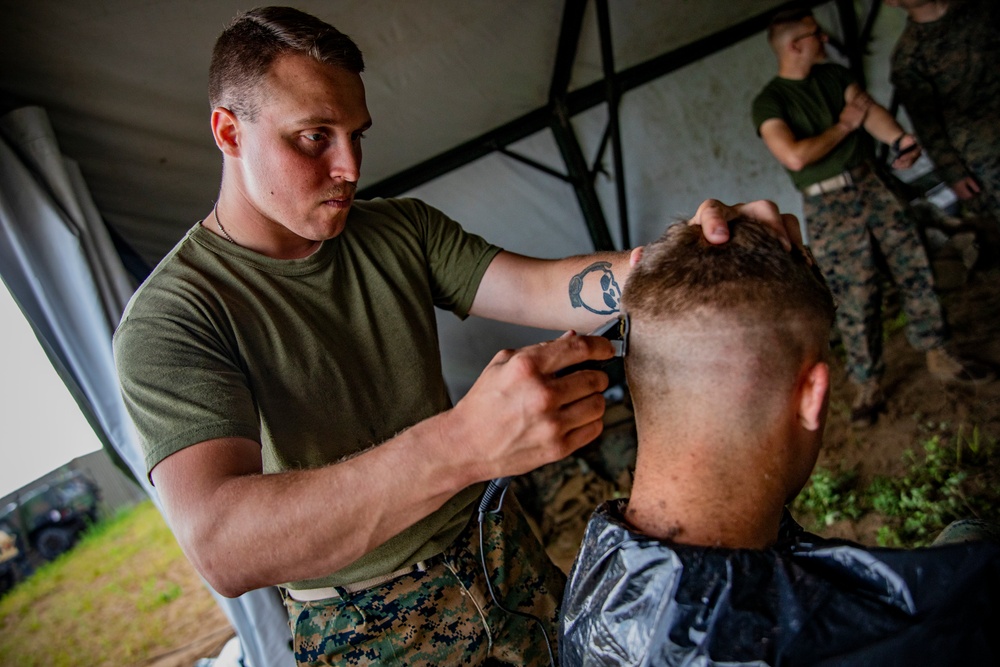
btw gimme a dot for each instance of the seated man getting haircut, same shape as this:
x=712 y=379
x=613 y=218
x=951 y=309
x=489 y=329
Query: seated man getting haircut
x=728 y=368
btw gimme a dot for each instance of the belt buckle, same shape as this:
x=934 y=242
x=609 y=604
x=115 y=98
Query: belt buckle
x=329 y=592
x=312 y=594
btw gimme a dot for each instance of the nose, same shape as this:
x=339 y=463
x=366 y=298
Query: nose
x=345 y=163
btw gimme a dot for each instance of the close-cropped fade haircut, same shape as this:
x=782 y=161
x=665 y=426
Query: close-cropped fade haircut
x=765 y=299
x=247 y=48
x=681 y=271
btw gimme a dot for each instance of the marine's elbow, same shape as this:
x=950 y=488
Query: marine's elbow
x=794 y=163
x=229 y=582
x=229 y=590
x=212 y=560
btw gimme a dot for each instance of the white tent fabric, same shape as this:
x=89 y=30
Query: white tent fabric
x=125 y=86
x=54 y=249
x=58 y=262
x=125 y=83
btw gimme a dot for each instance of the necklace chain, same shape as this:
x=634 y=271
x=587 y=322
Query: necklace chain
x=215 y=212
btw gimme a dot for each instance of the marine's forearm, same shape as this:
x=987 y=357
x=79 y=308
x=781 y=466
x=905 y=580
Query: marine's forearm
x=573 y=293
x=244 y=530
x=880 y=124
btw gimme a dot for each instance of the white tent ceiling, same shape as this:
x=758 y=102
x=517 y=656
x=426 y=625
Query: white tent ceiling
x=124 y=84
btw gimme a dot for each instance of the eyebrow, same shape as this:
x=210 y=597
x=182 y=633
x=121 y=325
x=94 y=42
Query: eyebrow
x=324 y=120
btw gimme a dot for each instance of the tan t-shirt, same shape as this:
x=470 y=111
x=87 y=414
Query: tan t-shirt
x=315 y=358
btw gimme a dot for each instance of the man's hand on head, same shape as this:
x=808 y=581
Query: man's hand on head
x=714 y=217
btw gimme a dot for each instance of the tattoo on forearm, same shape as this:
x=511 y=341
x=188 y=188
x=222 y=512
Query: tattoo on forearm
x=603 y=293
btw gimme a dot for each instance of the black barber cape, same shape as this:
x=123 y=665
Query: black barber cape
x=634 y=600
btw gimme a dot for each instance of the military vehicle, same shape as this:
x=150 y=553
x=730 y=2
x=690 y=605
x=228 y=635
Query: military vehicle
x=8 y=558
x=49 y=518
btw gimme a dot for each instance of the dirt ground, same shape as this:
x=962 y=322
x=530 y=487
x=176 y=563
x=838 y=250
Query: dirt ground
x=207 y=642
x=917 y=403
x=199 y=626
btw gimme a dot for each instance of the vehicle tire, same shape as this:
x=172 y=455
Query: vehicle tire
x=53 y=541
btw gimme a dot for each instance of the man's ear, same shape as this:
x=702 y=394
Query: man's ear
x=226 y=130
x=812 y=396
x=634 y=256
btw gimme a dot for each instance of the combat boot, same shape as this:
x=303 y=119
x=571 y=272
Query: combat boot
x=869 y=402
x=948 y=368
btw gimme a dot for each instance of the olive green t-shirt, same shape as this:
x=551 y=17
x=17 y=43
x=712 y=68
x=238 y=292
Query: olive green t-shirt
x=810 y=106
x=315 y=358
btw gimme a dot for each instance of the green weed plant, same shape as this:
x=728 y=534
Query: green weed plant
x=948 y=477
x=830 y=496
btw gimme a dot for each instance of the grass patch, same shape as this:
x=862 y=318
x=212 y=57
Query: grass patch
x=111 y=600
x=947 y=477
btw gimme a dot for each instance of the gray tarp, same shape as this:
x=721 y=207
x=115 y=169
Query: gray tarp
x=58 y=262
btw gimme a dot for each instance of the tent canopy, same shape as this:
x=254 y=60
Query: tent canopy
x=495 y=112
x=124 y=82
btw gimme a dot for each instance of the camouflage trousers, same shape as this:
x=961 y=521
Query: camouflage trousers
x=986 y=169
x=444 y=615
x=846 y=230
x=976 y=139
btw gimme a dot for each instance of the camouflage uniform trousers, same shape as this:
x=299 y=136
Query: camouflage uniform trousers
x=976 y=140
x=846 y=229
x=445 y=615
x=946 y=76
x=985 y=167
